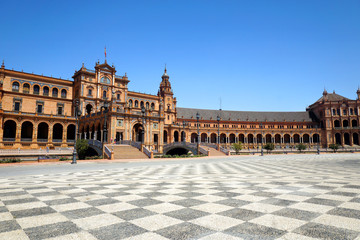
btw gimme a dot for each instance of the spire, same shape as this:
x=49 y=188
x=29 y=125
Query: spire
x=165 y=75
x=325 y=92
x=3 y=65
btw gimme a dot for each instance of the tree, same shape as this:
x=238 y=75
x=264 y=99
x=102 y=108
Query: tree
x=269 y=147
x=237 y=147
x=300 y=147
x=334 y=147
x=82 y=146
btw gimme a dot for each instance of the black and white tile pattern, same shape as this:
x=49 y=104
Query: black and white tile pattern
x=274 y=197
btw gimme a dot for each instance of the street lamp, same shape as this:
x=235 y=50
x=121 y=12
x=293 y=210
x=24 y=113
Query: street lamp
x=77 y=115
x=106 y=109
x=262 y=150
x=218 y=136
x=143 y=122
x=198 y=133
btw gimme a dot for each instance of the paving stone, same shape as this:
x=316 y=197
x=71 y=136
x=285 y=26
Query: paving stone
x=184 y=231
x=297 y=214
x=32 y=212
x=51 y=230
x=316 y=230
x=242 y=214
x=132 y=214
x=251 y=231
x=10 y=225
x=117 y=231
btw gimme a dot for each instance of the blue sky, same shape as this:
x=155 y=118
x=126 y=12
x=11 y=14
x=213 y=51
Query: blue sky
x=257 y=55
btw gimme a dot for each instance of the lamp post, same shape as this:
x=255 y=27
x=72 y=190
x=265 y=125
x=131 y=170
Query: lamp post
x=143 y=122
x=77 y=114
x=218 y=136
x=318 y=146
x=198 y=133
x=262 y=150
x=105 y=107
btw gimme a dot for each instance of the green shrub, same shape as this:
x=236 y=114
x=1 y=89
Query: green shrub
x=237 y=147
x=300 y=147
x=269 y=147
x=10 y=160
x=334 y=147
x=81 y=147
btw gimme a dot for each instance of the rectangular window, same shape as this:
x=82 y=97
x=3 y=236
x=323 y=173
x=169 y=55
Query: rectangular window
x=338 y=111
x=351 y=111
x=118 y=96
x=17 y=106
x=60 y=110
x=344 y=112
x=39 y=108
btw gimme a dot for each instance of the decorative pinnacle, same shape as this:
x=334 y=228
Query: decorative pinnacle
x=3 y=64
x=165 y=67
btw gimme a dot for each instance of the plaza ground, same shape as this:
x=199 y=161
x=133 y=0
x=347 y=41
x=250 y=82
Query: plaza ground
x=247 y=197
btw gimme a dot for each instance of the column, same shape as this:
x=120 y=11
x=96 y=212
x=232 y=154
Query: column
x=50 y=133
x=301 y=140
x=64 y=135
x=102 y=135
x=34 y=135
x=18 y=132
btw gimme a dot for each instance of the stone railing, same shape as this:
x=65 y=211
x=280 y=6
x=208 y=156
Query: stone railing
x=147 y=152
x=107 y=152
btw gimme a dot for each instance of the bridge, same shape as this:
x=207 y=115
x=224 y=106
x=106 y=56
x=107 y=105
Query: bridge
x=183 y=148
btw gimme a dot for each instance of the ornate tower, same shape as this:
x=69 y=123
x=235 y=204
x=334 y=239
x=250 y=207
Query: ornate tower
x=169 y=102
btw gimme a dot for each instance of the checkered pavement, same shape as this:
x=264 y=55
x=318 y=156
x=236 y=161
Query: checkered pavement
x=275 y=197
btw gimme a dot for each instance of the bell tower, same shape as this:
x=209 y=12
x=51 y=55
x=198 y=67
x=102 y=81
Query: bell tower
x=167 y=96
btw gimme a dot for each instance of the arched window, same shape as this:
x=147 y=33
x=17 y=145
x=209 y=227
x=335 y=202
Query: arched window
x=55 y=92
x=15 y=86
x=147 y=105
x=130 y=103
x=141 y=104
x=63 y=93
x=104 y=94
x=152 y=106
x=136 y=103
x=36 y=90
x=46 y=91
x=26 y=88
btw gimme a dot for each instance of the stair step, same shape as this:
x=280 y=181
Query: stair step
x=127 y=152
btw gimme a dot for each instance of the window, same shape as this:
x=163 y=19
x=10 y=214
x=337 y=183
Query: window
x=60 y=111
x=15 y=86
x=118 y=96
x=147 y=105
x=89 y=92
x=17 y=106
x=26 y=88
x=338 y=111
x=104 y=94
x=36 y=90
x=63 y=93
x=90 y=79
x=46 y=91
x=130 y=103
x=152 y=106
x=136 y=103
x=344 y=112
x=55 y=92
x=39 y=108
x=351 y=111
x=334 y=112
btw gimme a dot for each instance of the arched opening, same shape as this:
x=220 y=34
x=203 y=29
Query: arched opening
x=213 y=137
x=277 y=138
x=338 y=138
x=152 y=106
x=130 y=103
x=232 y=138
x=286 y=138
x=15 y=87
x=346 y=138
x=250 y=138
x=70 y=133
x=241 y=138
x=89 y=108
x=147 y=105
x=259 y=138
x=104 y=94
x=46 y=91
x=141 y=104
x=203 y=137
x=43 y=132
x=354 y=123
x=306 y=138
x=183 y=136
x=223 y=138
x=165 y=136
x=316 y=138
x=268 y=138
x=55 y=92
x=355 y=139
x=136 y=103
x=296 y=138
x=345 y=123
x=336 y=123
x=57 y=132
x=9 y=130
x=194 y=137
x=176 y=135
x=138 y=133
x=36 y=89
x=26 y=88
x=26 y=131
x=98 y=132
x=63 y=93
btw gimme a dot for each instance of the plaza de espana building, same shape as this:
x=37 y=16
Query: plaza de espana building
x=38 y=111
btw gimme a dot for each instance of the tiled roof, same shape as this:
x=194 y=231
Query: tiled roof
x=333 y=97
x=188 y=113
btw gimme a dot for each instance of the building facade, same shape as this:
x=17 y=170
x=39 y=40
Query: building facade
x=39 y=111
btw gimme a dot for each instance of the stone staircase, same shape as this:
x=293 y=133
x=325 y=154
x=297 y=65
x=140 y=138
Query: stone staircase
x=127 y=152
x=213 y=152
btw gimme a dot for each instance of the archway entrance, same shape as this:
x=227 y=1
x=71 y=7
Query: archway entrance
x=138 y=133
x=89 y=108
x=43 y=132
x=9 y=130
x=337 y=138
x=347 y=138
x=26 y=131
